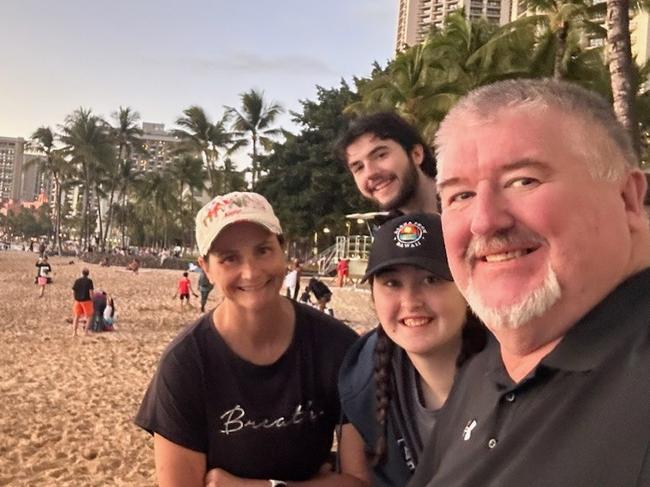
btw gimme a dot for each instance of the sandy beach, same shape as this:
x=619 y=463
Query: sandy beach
x=67 y=404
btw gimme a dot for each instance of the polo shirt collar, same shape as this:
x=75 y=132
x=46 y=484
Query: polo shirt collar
x=603 y=328
x=589 y=341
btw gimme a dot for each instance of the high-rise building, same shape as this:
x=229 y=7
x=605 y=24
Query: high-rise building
x=11 y=166
x=34 y=182
x=159 y=145
x=417 y=17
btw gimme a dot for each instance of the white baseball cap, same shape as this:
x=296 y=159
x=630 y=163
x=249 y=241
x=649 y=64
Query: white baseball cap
x=232 y=208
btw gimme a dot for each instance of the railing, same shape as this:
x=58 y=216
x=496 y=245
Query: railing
x=354 y=248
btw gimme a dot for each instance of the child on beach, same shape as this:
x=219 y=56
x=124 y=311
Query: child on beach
x=42 y=274
x=83 y=305
x=110 y=314
x=247 y=394
x=184 y=289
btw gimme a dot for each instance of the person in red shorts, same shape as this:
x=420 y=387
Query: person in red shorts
x=184 y=289
x=83 y=304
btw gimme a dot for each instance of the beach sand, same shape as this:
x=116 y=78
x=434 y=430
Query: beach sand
x=67 y=404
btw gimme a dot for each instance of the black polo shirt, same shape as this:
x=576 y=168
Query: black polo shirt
x=581 y=418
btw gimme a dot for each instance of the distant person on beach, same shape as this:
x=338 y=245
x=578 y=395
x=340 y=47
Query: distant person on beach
x=298 y=267
x=83 y=304
x=183 y=290
x=342 y=272
x=392 y=165
x=394 y=379
x=321 y=292
x=41 y=248
x=247 y=394
x=205 y=286
x=291 y=281
x=100 y=300
x=43 y=269
x=134 y=266
x=110 y=314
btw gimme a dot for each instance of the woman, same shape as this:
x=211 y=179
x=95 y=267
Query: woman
x=43 y=269
x=249 y=390
x=404 y=369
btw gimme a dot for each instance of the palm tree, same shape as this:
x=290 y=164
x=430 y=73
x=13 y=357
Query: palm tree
x=231 y=178
x=128 y=175
x=621 y=65
x=87 y=141
x=254 y=120
x=42 y=140
x=423 y=82
x=558 y=20
x=126 y=135
x=202 y=138
x=187 y=171
x=156 y=197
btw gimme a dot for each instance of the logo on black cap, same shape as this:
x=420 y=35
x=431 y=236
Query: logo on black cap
x=409 y=234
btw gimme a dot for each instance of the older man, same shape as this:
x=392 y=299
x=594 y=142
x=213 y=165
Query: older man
x=547 y=237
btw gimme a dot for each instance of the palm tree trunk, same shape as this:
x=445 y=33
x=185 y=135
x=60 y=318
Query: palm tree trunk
x=99 y=218
x=86 y=217
x=57 y=214
x=124 y=216
x=620 y=67
x=109 y=216
x=254 y=163
x=191 y=213
x=560 y=50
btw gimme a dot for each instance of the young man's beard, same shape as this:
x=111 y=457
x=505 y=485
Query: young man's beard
x=407 y=190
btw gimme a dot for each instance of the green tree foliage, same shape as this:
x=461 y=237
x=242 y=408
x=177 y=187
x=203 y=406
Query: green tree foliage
x=90 y=148
x=308 y=188
x=253 y=124
x=55 y=167
x=126 y=136
x=423 y=82
x=29 y=223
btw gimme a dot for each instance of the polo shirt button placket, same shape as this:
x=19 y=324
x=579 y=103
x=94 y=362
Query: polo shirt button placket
x=492 y=443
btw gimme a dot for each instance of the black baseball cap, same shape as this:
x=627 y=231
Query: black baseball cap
x=414 y=239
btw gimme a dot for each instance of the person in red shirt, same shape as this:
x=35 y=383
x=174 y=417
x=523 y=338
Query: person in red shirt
x=184 y=289
x=342 y=272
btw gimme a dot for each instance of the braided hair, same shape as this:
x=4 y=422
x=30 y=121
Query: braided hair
x=383 y=371
x=474 y=338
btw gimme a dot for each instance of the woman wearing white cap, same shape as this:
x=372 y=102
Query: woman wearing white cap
x=395 y=378
x=248 y=392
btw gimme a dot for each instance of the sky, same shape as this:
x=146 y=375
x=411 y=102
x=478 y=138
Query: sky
x=161 y=56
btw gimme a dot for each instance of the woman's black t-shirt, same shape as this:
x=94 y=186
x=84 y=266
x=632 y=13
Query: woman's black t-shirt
x=273 y=421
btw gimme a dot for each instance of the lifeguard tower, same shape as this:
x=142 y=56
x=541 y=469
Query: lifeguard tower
x=355 y=248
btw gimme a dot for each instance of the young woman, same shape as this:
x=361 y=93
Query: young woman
x=404 y=369
x=249 y=391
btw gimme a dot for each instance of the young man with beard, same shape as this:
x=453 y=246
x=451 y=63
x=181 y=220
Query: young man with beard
x=548 y=239
x=391 y=163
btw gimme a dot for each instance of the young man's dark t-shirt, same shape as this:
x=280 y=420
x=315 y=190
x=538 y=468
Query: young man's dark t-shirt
x=82 y=288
